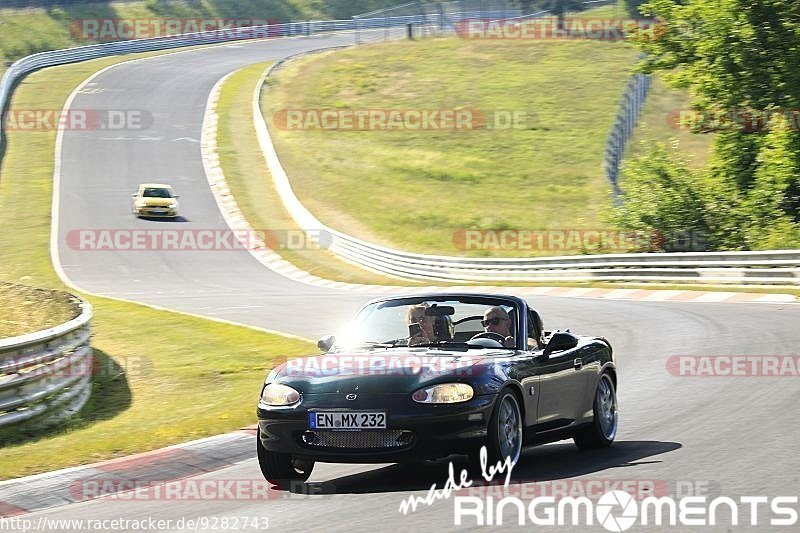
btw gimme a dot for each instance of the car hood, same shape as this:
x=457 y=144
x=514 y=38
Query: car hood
x=156 y=202
x=382 y=372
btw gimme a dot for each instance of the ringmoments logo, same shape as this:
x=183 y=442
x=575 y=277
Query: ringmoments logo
x=618 y=510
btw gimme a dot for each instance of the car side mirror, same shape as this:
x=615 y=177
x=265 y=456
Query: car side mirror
x=325 y=343
x=134 y=195
x=560 y=341
x=177 y=196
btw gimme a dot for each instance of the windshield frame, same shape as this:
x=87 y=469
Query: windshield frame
x=519 y=305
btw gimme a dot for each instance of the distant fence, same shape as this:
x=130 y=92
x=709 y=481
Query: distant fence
x=631 y=106
x=47 y=375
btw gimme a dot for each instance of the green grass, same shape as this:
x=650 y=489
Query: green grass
x=656 y=124
x=164 y=377
x=251 y=183
x=412 y=190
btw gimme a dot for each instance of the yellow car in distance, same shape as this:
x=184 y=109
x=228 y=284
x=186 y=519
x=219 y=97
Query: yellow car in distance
x=155 y=200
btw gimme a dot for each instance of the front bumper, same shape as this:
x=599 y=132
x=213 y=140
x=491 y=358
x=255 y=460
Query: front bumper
x=427 y=431
x=156 y=212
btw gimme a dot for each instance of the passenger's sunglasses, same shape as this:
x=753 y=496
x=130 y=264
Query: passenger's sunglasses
x=493 y=321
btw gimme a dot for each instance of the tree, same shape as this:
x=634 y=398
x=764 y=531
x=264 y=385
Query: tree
x=737 y=57
x=664 y=197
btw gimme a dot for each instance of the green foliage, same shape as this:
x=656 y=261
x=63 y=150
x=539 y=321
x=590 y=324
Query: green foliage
x=664 y=197
x=732 y=56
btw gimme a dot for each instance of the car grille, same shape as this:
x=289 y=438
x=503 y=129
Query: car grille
x=358 y=440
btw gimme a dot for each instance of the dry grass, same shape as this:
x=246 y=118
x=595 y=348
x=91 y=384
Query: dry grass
x=27 y=309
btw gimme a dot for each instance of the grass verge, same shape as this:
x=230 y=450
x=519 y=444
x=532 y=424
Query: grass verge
x=250 y=181
x=162 y=377
x=414 y=189
x=251 y=184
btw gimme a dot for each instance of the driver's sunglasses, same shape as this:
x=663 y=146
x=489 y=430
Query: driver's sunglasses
x=493 y=321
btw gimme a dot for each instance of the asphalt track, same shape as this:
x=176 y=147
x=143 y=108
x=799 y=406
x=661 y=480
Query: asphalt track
x=738 y=436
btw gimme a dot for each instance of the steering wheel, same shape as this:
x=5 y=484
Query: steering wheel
x=490 y=335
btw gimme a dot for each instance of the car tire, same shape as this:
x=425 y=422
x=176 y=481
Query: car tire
x=603 y=429
x=504 y=436
x=282 y=469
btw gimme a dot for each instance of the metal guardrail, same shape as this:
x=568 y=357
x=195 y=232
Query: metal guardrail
x=736 y=267
x=46 y=375
x=31 y=63
x=761 y=267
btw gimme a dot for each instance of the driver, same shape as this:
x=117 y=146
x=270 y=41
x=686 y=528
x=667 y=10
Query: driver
x=496 y=320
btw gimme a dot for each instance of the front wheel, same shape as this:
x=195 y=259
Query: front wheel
x=504 y=433
x=282 y=469
x=603 y=429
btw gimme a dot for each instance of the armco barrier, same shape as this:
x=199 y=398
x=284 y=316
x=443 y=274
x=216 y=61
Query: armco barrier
x=769 y=267
x=46 y=375
x=733 y=267
x=31 y=63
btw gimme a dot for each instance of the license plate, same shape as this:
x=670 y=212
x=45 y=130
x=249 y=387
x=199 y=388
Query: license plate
x=347 y=420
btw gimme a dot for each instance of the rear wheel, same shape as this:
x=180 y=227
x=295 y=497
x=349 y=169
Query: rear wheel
x=282 y=469
x=603 y=429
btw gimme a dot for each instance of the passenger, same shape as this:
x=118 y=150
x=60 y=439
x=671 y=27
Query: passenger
x=425 y=334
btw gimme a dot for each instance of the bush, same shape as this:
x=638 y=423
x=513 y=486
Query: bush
x=662 y=196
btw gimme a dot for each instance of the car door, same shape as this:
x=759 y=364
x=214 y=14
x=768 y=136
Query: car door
x=561 y=389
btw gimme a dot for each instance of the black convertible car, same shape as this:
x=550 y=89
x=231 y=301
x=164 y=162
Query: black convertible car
x=427 y=376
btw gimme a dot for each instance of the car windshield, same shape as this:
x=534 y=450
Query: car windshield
x=426 y=321
x=157 y=192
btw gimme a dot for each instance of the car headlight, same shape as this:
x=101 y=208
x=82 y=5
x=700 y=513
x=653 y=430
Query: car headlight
x=173 y=205
x=277 y=394
x=444 y=393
